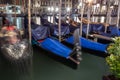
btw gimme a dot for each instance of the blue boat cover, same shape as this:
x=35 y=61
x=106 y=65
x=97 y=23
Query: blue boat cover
x=112 y=30
x=64 y=30
x=49 y=44
x=45 y=22
x=97 y=28
x=89 y=44
x=73 y=28
x=40 y=32
x=55 y=47
x=94 y=28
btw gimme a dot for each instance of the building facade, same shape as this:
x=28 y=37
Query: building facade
x=50 y=6
x=44 y=6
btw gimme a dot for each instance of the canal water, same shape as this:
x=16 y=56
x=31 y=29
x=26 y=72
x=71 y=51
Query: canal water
x=45 y=68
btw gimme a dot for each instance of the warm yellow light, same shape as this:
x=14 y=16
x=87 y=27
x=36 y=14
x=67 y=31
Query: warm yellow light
x=89 y=1
x=111 y=7
x=80 y=4
x=78 y=7
x=102 y=19
x=103 y=8
x=98 y=5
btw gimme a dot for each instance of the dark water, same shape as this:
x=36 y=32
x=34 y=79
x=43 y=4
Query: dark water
x=45 y=68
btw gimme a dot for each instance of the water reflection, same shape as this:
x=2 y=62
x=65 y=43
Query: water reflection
x=20 y=70
x=14 y=71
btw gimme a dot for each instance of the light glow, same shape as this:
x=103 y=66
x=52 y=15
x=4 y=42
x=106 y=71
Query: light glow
x=68 y=9
x=103 y=8
x=56 y=9
x=102 y=19
x=98 y=5
x=111 y=7
x=52 y=9
x=48 y=8
x=80 y=4
x=89 y=1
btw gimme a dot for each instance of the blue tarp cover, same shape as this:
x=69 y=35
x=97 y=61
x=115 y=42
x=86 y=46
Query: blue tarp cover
x=64 y=30
x=94 y=28
x=49 y=44
x=55 y=47
x=89 y=44
x=112 y=30
x=40 y=32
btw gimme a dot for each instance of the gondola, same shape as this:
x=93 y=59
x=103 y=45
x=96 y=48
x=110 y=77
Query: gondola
x=96 y=28
x=41 y=38
x=96 y=31
x=85 y=43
